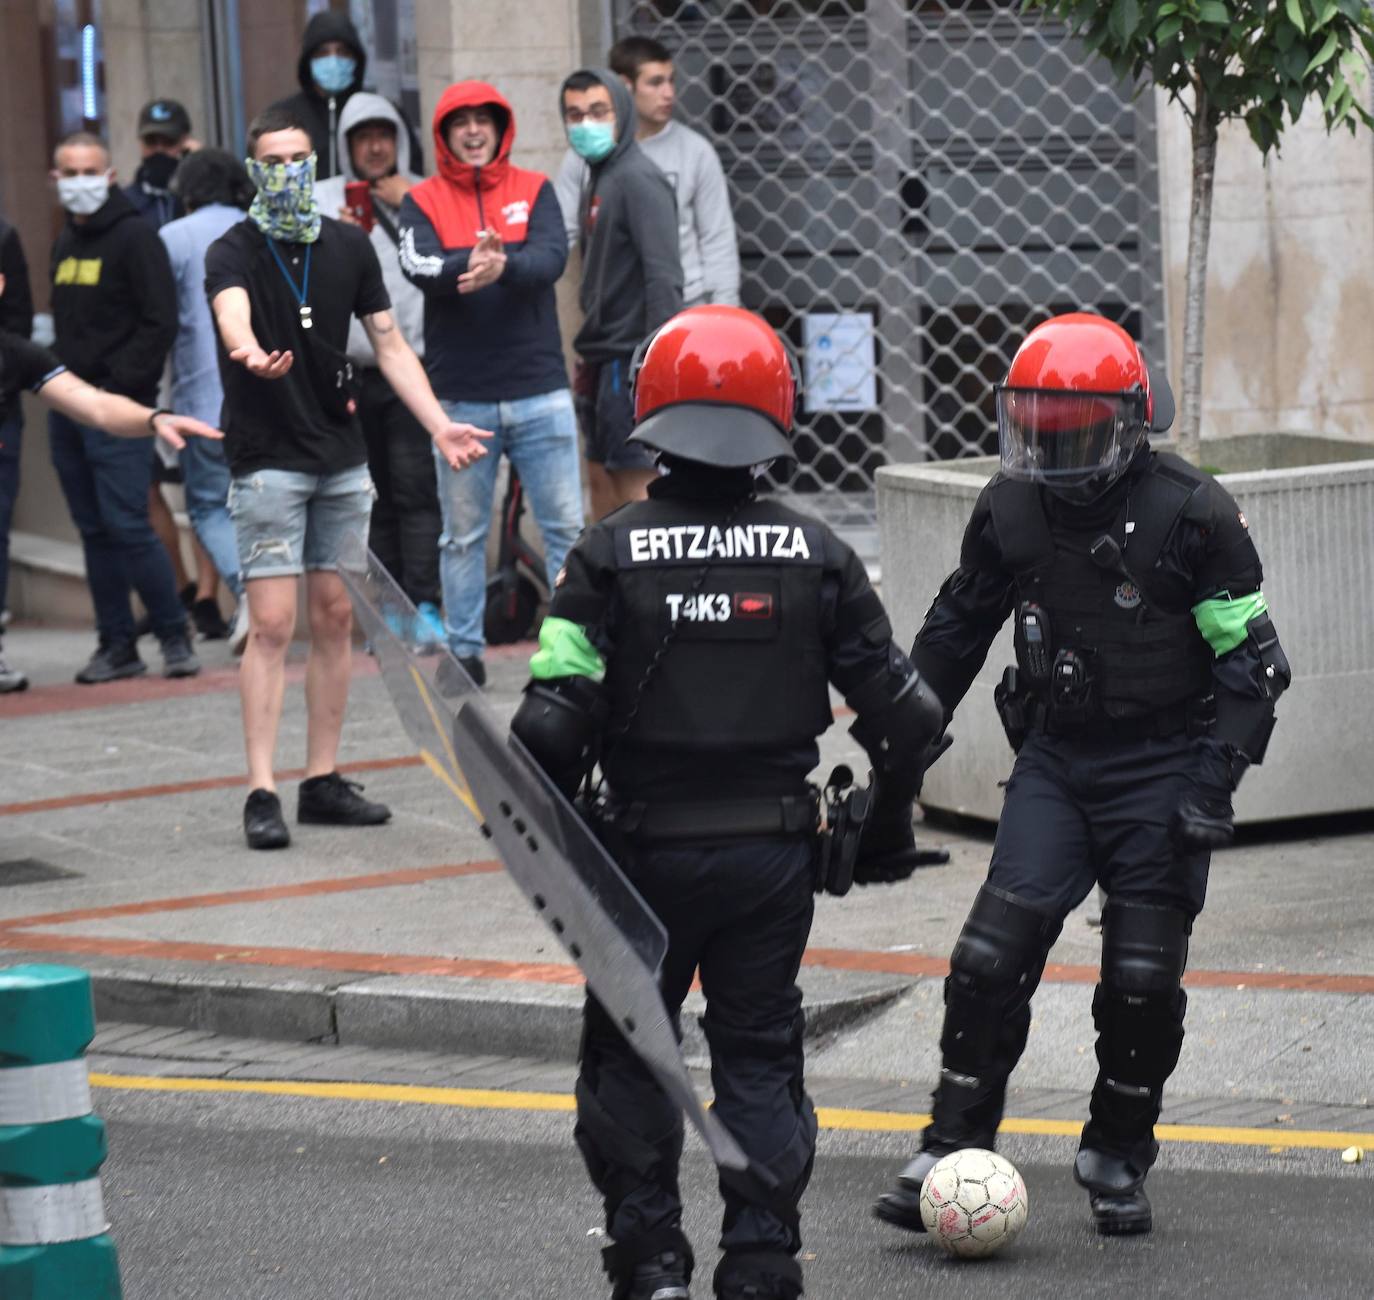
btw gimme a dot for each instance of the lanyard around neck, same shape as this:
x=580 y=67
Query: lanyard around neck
x=303 y=292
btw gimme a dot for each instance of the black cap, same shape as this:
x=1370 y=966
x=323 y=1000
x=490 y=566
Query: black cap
x=164 y=117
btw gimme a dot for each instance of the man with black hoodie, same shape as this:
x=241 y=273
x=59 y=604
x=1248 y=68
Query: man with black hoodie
x=114 y=310
x=631 y=277
x=331 y=67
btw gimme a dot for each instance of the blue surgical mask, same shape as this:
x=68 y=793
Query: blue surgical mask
x=592 y=140
x=333 y=72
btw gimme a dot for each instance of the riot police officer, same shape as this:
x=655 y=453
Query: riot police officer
x=1146 y=675
x=688 y=645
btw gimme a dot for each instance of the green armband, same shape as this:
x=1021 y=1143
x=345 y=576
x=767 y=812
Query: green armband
x=565 y=651
x=1222 y=621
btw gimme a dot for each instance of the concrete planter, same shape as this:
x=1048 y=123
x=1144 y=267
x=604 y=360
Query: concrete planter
x=1314 y=525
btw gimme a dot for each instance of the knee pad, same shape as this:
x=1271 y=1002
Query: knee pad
x=1144 y=948
x=1139 y=1006
x=993 y=972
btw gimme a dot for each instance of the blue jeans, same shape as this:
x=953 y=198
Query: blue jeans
x=539 y=437
x=105 y=480
x=10 y=430
x=205 y=474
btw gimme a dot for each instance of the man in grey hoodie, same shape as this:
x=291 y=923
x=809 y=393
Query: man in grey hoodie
x=374 y=145
x=631 y=277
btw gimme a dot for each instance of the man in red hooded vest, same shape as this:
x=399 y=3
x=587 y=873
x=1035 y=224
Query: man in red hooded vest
x=484 y=240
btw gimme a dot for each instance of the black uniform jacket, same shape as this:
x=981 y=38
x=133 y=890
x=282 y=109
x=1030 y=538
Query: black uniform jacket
x=1208 y=554
x=739 y=695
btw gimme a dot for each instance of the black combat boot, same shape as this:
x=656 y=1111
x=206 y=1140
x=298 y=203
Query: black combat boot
x=1116 y=1192
x=965 y=1113
x=766 y=1275
x=901 y=1207
x=664 y=1277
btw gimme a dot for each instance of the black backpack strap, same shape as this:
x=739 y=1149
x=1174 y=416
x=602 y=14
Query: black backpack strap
x=1023 y=531
x=1157 y=503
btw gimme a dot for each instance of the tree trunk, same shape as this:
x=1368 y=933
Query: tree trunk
x=1195 y=298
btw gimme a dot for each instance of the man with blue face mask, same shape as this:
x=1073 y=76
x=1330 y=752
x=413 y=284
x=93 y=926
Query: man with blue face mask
x=332 y=66
x=631 y=277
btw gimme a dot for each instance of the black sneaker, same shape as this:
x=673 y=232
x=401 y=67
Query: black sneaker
x=209 y=621
x=333 y=801
x=263 y=825
x=111 y=663
x=475 y=668
x=178 y=659
x=664 y=1277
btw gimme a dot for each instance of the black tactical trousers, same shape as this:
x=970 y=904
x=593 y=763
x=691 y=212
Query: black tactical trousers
x=1079 y=812
x=740 y=912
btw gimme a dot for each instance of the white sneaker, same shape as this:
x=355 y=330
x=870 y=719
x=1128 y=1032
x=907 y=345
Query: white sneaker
x=238 y=629
x=11 y=679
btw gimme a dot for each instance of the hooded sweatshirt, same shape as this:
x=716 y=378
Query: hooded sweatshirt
x=500 y=343
x=706 y=236
x=319 y=112
x=631 y=267
x=114 y=301
x=407 y=302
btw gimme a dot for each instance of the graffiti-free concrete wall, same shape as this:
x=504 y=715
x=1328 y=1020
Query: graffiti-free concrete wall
x=1290 y=330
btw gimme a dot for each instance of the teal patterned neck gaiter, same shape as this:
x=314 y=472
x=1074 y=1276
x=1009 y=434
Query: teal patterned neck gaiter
x=285 y=207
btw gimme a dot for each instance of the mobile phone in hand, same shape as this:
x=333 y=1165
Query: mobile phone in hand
x=358 y=200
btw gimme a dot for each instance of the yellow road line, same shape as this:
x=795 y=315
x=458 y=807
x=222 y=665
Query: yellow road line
x=865 y=1121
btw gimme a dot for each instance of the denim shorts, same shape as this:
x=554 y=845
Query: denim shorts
x=287 y=522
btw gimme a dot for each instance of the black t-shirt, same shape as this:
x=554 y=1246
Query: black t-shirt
x=24 y=365
x=296 y=422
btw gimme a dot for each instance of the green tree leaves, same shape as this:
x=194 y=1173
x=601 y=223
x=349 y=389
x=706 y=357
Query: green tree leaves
x=1256 y=62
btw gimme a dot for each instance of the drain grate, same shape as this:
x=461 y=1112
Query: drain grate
x=32 y=871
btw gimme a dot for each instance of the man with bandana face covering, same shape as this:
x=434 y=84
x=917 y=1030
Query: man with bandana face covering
x=284 y=286
x=1146 y=675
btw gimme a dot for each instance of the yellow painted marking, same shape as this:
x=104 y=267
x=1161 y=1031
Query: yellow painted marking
x=453 y=777
x=441 y=772
x=865 y=1121
x=466 y=1098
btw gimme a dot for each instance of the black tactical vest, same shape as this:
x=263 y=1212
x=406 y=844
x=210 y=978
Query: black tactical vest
x=1132 y=627
x=746 y=668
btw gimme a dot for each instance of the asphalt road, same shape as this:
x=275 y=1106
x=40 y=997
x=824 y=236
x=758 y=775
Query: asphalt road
x=245 y=1196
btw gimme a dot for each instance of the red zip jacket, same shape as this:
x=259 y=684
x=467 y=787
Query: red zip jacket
x=502 y=342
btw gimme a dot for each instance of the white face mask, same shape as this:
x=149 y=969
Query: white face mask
x=82 y=195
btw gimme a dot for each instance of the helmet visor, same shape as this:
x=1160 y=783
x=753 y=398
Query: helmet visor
x=1057 y=437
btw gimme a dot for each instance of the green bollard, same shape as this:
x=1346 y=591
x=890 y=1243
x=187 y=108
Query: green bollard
x=53 y=1239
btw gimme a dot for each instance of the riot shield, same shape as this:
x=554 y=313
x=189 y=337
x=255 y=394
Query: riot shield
x=562 y=869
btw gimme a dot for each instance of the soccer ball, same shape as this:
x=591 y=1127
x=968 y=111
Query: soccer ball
x=974 y=1202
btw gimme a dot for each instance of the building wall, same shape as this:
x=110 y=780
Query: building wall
x=1289 y=330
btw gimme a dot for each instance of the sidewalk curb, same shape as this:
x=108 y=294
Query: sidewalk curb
x=435 y=1014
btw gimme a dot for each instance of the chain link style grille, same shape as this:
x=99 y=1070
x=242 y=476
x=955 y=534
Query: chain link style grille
x=916 y=184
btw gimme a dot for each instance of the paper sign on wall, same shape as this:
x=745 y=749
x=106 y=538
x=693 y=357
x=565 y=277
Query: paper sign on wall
x=841 y=361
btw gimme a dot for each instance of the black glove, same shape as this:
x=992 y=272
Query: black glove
x=1204 y=818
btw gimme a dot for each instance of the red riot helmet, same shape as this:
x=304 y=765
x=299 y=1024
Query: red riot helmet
x=715 y=385
x=1077 y=404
